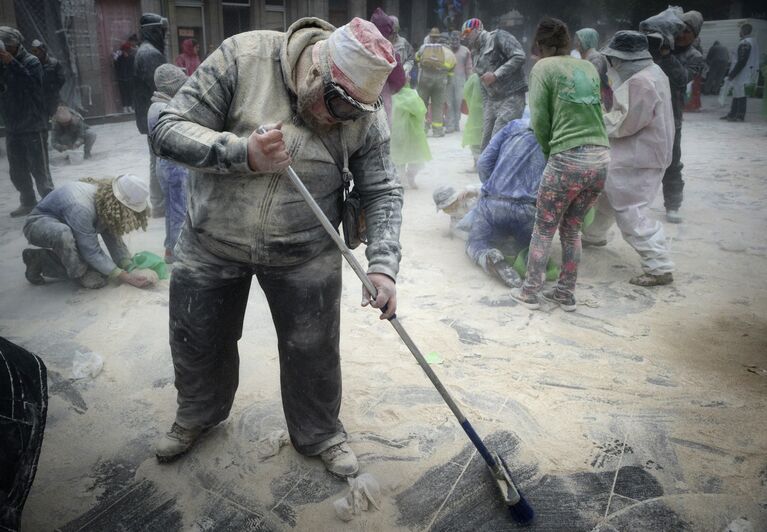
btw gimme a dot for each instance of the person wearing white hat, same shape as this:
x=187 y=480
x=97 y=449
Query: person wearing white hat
x=66 y=226
x=320 y=89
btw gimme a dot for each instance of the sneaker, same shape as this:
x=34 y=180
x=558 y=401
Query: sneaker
x=565 y=301
x=725 y=117
x=93 y=280
x=648 y=279
x=22 y=210
x=34 y=272
x=593 y=243
x=529 y=302
x=340 y=460
x=175 y=443
x=673 y=216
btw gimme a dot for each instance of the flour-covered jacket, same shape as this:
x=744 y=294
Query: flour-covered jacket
x=500 y=52
x=641 y=124
x=259 y=217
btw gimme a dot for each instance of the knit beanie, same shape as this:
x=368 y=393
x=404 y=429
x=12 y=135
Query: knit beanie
x=694 y=21
x=169 y=78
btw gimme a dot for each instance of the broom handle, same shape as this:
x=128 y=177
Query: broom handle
x=368 y=284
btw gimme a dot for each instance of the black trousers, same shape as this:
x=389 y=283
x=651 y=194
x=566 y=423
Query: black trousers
x=738 y=108
x=23 y=410
x=673 y=184
x=208 y=298
x=28 y=159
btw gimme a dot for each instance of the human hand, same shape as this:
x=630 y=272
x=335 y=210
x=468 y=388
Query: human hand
x=5 y=57
x=267 y=151
x=386 y=297
x=135 y=279
x=488 y=78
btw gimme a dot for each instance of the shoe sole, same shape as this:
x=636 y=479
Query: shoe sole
x=339 y=476
x=168 y=459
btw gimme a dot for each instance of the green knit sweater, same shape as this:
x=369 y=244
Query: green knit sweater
x=565 y=105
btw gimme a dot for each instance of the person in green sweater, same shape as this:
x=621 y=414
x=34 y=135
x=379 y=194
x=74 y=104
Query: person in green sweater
x=566 y=116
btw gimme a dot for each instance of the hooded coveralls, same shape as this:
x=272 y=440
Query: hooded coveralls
x=641 y=131
x=243 y=224
x=149 y=56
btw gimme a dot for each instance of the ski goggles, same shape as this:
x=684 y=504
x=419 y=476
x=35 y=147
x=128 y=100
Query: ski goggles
x=342 y=106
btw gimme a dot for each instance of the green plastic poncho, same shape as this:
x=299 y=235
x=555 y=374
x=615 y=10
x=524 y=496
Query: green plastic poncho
x=472 y=93
x=408 y=138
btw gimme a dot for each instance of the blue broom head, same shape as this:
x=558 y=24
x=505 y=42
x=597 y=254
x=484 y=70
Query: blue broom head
x=522 y=512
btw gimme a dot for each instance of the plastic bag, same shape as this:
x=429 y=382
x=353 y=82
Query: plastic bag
x=724 y=92
x=146 y=260
x=472 y=94
x=364 y=492
x=86 y=365
x=408 y=138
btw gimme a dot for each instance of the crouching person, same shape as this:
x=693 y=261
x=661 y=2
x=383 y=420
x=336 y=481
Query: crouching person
x=245 y=219
x=70 y=131
x=172 y=176
x=66 y=226
x=510 y=169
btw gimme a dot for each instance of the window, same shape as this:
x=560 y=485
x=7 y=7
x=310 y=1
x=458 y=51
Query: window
x=274 y=15
x=236 y=16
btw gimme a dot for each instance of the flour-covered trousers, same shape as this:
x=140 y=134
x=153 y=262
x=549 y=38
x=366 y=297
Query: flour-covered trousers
x=498 y=113
x=504 y=224
x=626 y=200
x=208 y=297
x=23 y=411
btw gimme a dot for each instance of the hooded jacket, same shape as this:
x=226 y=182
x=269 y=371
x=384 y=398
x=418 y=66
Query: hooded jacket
x=188 y=59
x=149 y=56
x=260 y=218
x=21 y=94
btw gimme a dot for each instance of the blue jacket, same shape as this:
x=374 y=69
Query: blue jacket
x=512 y=164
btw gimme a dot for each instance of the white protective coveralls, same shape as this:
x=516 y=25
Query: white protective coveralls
x=641 y=132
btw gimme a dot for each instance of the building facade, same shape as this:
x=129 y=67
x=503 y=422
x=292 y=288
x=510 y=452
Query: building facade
x=86 y=34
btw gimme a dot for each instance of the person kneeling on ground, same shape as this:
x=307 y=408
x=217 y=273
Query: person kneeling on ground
x=67 y=223
x=172 y=176
x=70 y=131
x=323 y=96
x=510 y=169
x=457 y=205
x=641 y=132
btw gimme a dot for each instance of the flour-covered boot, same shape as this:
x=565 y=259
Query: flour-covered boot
x=340 y=460
x=176 y=442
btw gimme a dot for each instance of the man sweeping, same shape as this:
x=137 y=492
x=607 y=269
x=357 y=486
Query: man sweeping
x=319 y=89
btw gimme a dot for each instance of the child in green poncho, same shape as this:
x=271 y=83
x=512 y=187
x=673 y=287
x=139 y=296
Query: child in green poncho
x=409 y=147
x=472 y=132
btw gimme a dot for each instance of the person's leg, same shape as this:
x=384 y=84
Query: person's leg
x=596 y=233
x=551 y=204
x=642 y=232
x=509 y=109
x=438 y=106
x=23 y=413
x=19 y=171
x=742 y=108
x=489 y=115
x=175 y=205
x=673 y=185
x=522 y=221
x=48 y=233
x=37 y=157
x=305 y=304
x=479 y=242
x=424 y=91
x=156 y=196
x=208 y=297
x=90 y=140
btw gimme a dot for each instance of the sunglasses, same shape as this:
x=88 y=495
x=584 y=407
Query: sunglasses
x=343 y=107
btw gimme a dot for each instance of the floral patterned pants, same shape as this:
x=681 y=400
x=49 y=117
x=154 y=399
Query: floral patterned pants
x=570 y=186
